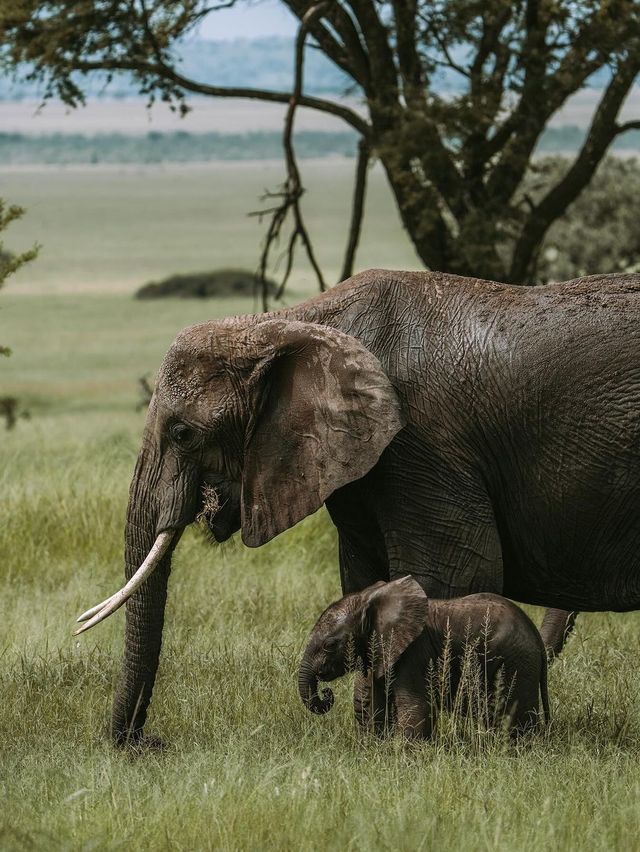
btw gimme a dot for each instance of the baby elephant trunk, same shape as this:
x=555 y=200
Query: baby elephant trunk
x=308 y=688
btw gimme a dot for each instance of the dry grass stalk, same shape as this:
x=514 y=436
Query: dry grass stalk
x=210 y=505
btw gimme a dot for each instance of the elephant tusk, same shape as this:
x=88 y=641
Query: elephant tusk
x=87 y=615
x=98 y=613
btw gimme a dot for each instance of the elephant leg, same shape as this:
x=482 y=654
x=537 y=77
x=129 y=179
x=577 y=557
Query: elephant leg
x=413 y=712
x=556 y=626
x=523 y=711
x=362 y=551
x=372 y=703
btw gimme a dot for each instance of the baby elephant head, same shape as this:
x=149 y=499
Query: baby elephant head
x=396 y=612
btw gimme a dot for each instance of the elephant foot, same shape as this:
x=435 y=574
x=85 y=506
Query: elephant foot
x=145 y=746
x=137 y=744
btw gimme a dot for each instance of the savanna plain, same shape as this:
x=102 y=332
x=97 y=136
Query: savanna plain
x=245 y=766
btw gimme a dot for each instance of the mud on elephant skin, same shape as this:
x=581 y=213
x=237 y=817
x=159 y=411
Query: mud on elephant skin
x=442 y=421
x=395 y=636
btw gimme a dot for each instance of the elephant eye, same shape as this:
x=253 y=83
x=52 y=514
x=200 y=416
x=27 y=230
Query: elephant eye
x=183 y=435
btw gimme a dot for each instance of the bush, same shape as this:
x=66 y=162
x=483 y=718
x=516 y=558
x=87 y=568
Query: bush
x=599 y=232
x=222 y=283
x=10 y=262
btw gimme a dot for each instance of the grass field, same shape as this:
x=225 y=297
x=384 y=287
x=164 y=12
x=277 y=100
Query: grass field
x=246 y=767
x=115 y=228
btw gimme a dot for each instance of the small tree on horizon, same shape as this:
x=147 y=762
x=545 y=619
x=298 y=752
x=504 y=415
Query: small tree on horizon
x=456 y=163
x=9 y=262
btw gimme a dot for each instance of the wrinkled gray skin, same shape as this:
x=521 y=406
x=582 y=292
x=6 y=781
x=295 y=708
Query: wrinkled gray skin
x=477 y=436
x=556 y=626
x=395 y=634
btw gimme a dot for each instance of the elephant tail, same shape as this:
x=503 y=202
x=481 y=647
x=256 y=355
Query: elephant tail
x=544 y=692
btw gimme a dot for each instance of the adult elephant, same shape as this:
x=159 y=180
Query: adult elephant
x=478 y=436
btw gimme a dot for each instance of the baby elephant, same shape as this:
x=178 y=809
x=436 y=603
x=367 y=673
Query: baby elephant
x=395 y=625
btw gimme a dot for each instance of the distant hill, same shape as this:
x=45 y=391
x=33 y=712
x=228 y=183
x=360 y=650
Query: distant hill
x=184 y=147
x=177 y=147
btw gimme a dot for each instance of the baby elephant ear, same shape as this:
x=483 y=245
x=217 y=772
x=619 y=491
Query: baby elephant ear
x=398 y=615
x=323 y=411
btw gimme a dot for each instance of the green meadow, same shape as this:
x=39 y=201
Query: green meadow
x=245 y=766
x=109 y=229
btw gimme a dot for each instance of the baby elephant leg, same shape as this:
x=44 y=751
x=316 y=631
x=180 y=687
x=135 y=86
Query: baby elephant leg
x=371 y=703
x=413 y=714
x=412 y=705
x=524 y=710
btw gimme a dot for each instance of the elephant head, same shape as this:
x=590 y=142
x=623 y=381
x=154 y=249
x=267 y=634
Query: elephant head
x=270 y=417
x=393 y=613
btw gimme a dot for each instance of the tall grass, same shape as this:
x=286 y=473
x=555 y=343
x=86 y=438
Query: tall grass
x=246 y=767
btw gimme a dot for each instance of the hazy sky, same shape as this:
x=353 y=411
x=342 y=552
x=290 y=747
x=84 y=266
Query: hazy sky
x=249 y=19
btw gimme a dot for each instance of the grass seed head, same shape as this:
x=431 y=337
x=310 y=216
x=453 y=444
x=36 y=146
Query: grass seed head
x=210 y=504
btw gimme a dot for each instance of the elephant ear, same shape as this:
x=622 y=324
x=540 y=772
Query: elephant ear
x=323 y=412
x=397 y=613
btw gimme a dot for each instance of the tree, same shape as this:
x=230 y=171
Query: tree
x=456 y=163
x=10 y=263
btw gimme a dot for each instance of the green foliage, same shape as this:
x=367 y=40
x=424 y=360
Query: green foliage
x=10 y=263
x=56 y=39
x=599 y=232
x=10 y=411
x=246 y=767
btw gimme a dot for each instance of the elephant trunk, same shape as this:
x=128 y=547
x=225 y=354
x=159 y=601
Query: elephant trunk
x=144 y=610
x=308 y=688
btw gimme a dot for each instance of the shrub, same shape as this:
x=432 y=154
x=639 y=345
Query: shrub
x=599 y=233
x=9 y=262
x=221 y=283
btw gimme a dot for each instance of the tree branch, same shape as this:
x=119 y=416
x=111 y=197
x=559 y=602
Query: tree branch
x=292 y=190
x=450 y=61
x=543 y=94
x=529 y=117
x=357 y=209
x=405 y=13
x=486 y=97
x=353 y=41
x=601 y=133
x=383 y=70
x=350 y=56
x=165 y=71
x=628 y=125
